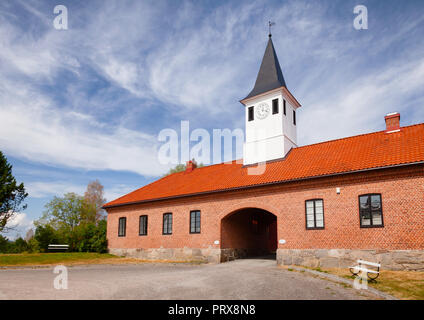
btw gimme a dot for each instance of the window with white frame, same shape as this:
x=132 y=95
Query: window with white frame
x=143 y=226
x=195 y=221
x=315 y=214
x=370 y=210
x=167 y=223
x=122 y=226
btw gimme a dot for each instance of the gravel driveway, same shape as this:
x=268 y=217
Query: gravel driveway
x=240 y=279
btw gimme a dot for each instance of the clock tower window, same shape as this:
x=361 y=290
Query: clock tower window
x=275 y=106
x=251 y=114
x=284 y=106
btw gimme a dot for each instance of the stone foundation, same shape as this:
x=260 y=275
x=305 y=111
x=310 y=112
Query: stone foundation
x=343 y=258
x=211 y=255
x=325 y=258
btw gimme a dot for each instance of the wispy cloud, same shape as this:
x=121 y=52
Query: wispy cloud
x=53 y=136
x=43 y=189
x=18 y=226
x=96 y=96
x=48 y=189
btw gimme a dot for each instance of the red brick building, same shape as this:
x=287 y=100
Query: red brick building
x=325 y=204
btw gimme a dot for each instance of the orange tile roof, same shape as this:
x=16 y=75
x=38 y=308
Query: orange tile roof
x=367 y=151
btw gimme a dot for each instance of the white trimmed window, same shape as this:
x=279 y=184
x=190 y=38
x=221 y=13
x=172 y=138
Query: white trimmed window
x=122 y=227
x=314 y=214
x=370 y=210
x=167 y=223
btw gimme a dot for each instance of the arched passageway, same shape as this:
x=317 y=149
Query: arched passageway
x=248 y=232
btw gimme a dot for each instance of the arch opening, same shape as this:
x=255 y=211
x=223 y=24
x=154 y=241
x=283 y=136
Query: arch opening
x=248 y=232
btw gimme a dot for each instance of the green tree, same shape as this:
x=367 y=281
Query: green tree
x=20 y=245
x=65 y=213
x=98 y=242
x=12 y=194
x=4 y=244
x=33 y=245
x=45 y=235
x=74 y=220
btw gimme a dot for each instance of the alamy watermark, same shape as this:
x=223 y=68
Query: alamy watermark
x=204 y=148
x=361 y=20
x=60 y=22
x=361 y=279
x=60 y=282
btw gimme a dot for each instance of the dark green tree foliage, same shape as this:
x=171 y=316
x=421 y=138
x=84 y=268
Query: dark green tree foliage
x=66 y=212
x=12 y=194
x=45 y=235
x=99 y=241
x=74 y=220
x=20 y=245
x=4 y=244
x=91 y=237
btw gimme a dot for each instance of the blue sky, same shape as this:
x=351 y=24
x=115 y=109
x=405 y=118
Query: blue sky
x=88 y=102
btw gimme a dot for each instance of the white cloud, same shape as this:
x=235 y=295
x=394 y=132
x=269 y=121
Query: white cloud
x=42 y=189
x=116 y=191
x=361 y=107
x=192 y=60
x=33 y=129
x=19 y=224
x=45 y=189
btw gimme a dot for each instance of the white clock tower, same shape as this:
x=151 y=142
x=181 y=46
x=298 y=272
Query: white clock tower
x=270 y=114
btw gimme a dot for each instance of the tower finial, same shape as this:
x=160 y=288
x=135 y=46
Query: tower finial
x=270 y=24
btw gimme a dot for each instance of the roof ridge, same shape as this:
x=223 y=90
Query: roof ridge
x=355 y=136
x=234 y=176
x=166 y=176
x=157 y=180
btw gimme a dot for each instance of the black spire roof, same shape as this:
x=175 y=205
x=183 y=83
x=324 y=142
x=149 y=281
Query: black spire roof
x=270 y=76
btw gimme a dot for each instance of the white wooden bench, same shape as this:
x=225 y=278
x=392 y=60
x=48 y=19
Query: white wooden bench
x=58 y=247
x=363 y=266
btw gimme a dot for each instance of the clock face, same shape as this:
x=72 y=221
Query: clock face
x=262 y=110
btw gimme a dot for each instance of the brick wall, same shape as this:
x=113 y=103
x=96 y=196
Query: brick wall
x=402 y=191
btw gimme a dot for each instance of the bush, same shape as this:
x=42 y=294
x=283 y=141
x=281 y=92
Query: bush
x=33 y=246
x=86 y=237
x=19 y=246
x=91 y=238
x=4 y=244
x=46 y=235
x=99 y=241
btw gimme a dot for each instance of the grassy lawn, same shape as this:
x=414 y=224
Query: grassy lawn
x=73 y=258
x=29 y=259
x=401 y=284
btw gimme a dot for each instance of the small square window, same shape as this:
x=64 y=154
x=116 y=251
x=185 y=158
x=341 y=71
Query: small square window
x=122 y=226
x=250 y=114
x=370 y=211
x=143 y=226
x=315 y=214
x=195 y=221
x=275 y=106
x=167 y=223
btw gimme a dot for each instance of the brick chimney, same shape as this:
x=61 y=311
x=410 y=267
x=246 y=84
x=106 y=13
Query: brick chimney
x=190 y=166
x=392 y=122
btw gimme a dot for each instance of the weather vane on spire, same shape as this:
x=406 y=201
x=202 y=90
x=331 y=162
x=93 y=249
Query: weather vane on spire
x=270 y=24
